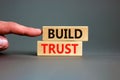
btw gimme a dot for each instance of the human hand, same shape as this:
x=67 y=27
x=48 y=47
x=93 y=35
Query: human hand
x=15 y=28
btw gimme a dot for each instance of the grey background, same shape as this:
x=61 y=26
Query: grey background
x=102 y=17
x=101 y=53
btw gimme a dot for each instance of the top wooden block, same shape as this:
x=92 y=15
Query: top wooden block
x=65 y=33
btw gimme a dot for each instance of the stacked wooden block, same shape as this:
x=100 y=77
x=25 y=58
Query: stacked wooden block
x=62 y=40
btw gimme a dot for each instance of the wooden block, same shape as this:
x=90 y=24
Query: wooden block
x=65 y=33
x=57 y=48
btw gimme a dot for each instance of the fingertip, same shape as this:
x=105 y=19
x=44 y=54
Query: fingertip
x=39 y=31
x=36 y=32
x=32 y=32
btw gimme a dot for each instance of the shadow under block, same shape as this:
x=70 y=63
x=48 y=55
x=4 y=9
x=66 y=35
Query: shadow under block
x=79 y=33
x=59 y=48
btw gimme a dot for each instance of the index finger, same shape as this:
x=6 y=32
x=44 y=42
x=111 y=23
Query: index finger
x=15 y=28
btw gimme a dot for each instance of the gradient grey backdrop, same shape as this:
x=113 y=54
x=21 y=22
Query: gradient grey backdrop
x=103 y=19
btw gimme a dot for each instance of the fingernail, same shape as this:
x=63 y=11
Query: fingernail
x=3 y=43
x=39 y=30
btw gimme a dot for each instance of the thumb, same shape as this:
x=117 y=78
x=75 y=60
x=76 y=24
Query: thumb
x=3 y=43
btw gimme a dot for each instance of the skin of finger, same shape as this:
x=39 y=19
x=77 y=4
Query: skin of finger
x=23 y=30
x=3 y=28
x=15 y=28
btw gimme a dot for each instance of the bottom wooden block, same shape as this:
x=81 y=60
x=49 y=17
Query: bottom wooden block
x=57 y=48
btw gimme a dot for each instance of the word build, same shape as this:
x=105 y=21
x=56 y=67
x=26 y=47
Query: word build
x=62 y=40
x=56 y=48
x=65 y=33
